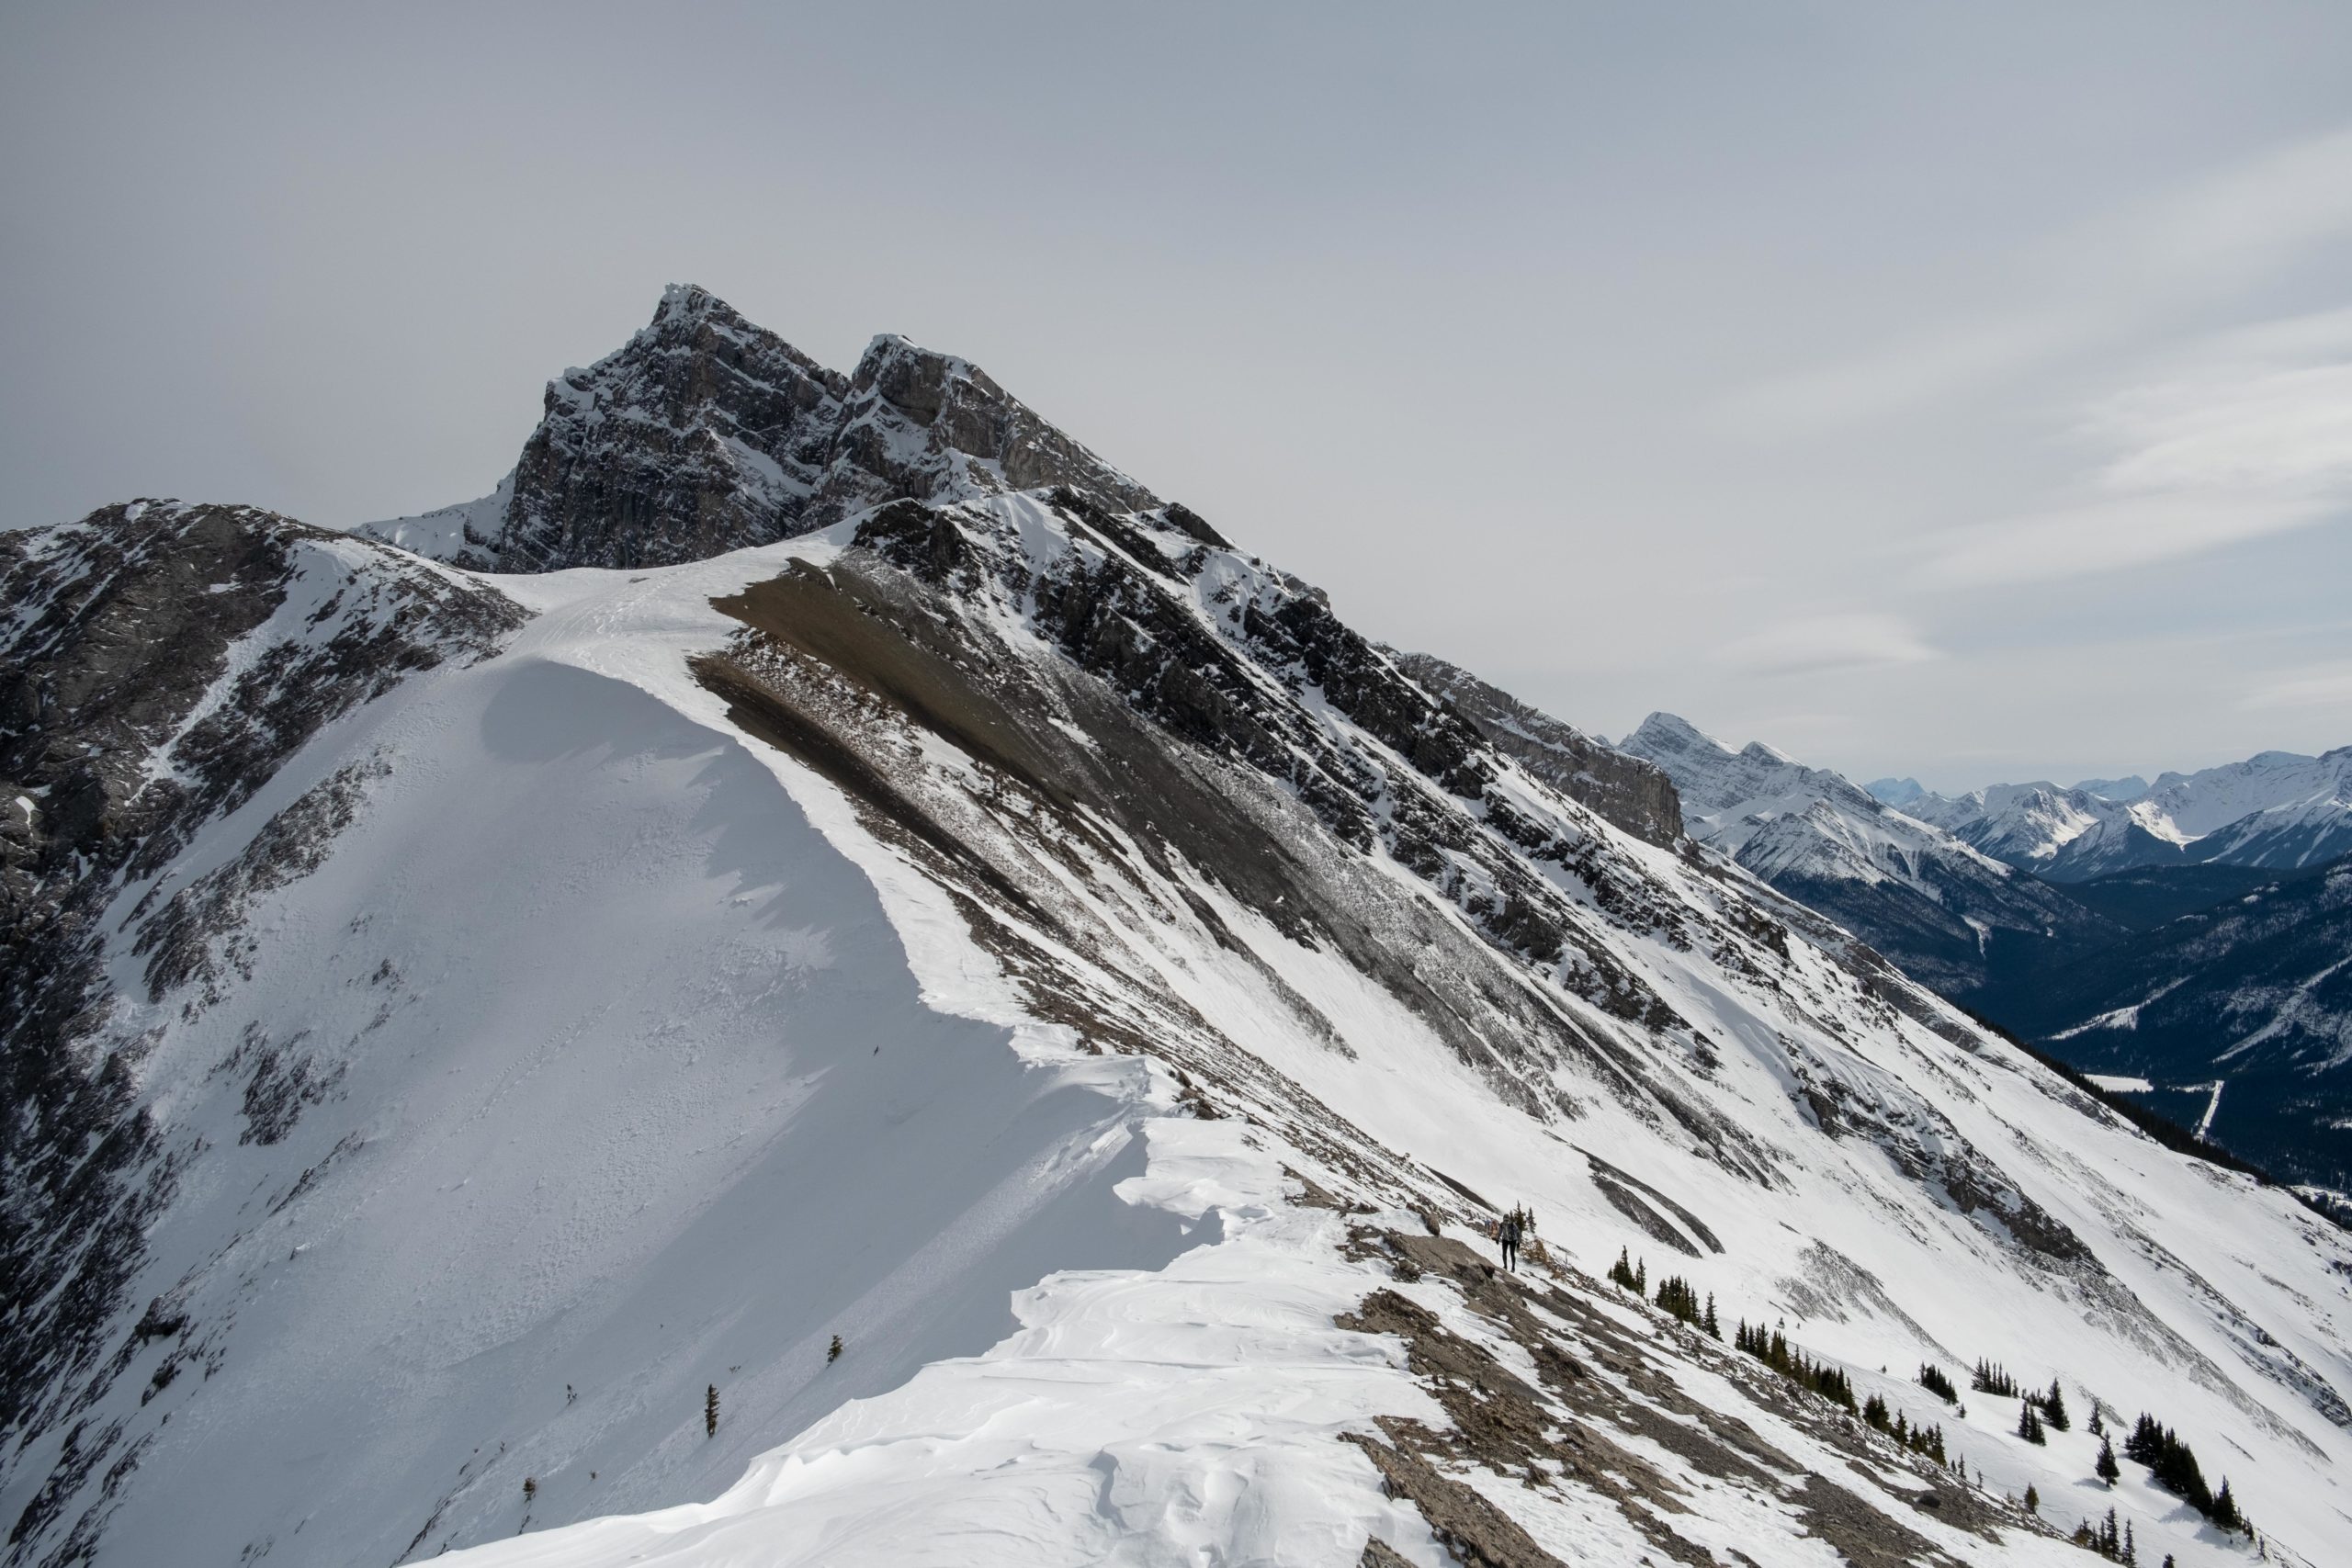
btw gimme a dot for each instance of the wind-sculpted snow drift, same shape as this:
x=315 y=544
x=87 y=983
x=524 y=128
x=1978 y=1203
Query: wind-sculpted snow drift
x=991 y=919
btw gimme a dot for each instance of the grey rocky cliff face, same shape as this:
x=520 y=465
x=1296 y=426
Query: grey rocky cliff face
x=704 y=435
x=1630 y=792
x=707 y=433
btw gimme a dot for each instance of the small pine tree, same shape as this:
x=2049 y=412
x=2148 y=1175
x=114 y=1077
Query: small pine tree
x=1622 y=1271
x=530 y=1490
x=2029 y=1424
x=2225 y=1508
x=1713 y=1332
x=710 y=1411
x=2053 y=1407
x=2131 y=1548
x=1642 y=1278
x=2098 y=1428
x=1874 y=1413
x=834 y=1354
x=2108 y=1469
x=2032 y=1500
x=1932 y=1378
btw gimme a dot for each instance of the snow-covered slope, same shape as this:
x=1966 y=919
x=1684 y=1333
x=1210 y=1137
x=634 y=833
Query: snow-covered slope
x=1936 y=907
x=1041 y=945
x=2277 y=810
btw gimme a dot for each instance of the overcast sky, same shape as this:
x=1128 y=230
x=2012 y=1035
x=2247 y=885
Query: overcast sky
x=1962 y=391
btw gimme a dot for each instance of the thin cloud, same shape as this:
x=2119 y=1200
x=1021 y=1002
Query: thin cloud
x=2247 y=436
x=2244 y=219
x=2092 y=284
x=2325 y=686
x=1901 y=376
x=2105 y=537
x=2275 y=431
x=1820 y=643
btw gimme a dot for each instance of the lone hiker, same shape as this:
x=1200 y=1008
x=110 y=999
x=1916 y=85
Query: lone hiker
x=1509 y=1237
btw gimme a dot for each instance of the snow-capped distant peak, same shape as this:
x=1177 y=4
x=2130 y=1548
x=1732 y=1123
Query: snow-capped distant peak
x=1897 y=793
x=2275 y=808
x=1912 y=890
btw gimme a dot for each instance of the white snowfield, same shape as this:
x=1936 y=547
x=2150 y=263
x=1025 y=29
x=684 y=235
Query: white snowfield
x=648 y=1065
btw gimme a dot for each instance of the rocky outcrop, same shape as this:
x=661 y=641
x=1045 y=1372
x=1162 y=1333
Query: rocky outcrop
x=1636 y=795
x=706 y=434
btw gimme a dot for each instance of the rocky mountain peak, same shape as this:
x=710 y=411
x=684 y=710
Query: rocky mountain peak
x=705 y=433
x=1663 y=728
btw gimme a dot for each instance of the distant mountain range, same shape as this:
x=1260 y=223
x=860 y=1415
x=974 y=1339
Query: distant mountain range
x=2278 y=810
x=1942 y=910
x=2176 y=936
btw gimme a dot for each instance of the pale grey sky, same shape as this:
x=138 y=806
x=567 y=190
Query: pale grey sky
x=1957 y=391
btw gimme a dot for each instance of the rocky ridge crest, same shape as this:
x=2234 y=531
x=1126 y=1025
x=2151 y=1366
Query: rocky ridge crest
x=707 y=433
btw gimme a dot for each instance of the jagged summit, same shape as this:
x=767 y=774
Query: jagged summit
x=1664 y=725
x=705 y=433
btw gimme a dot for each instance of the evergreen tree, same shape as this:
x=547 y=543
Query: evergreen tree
x=834 y=1353
x=1642 y=1278
x=530 y=1491
x=2225 y=1508
x=1874 y=1413
x=2032 y=1500
x=2131 y=1547
x=2053 y=1407
x=1622 y=1271
x=1713 y=1331
x=2029 y=1424
x=1991 y=1378
x=1675 y=1296
x=2097 y=1427
x=2108 y=1469
x=1932 y=1378
x=710 y=1411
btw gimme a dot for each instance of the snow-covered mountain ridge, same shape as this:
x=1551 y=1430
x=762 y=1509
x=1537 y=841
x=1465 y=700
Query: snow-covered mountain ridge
x=1935 y=905
x=1014 y=931
x=2277 y=810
